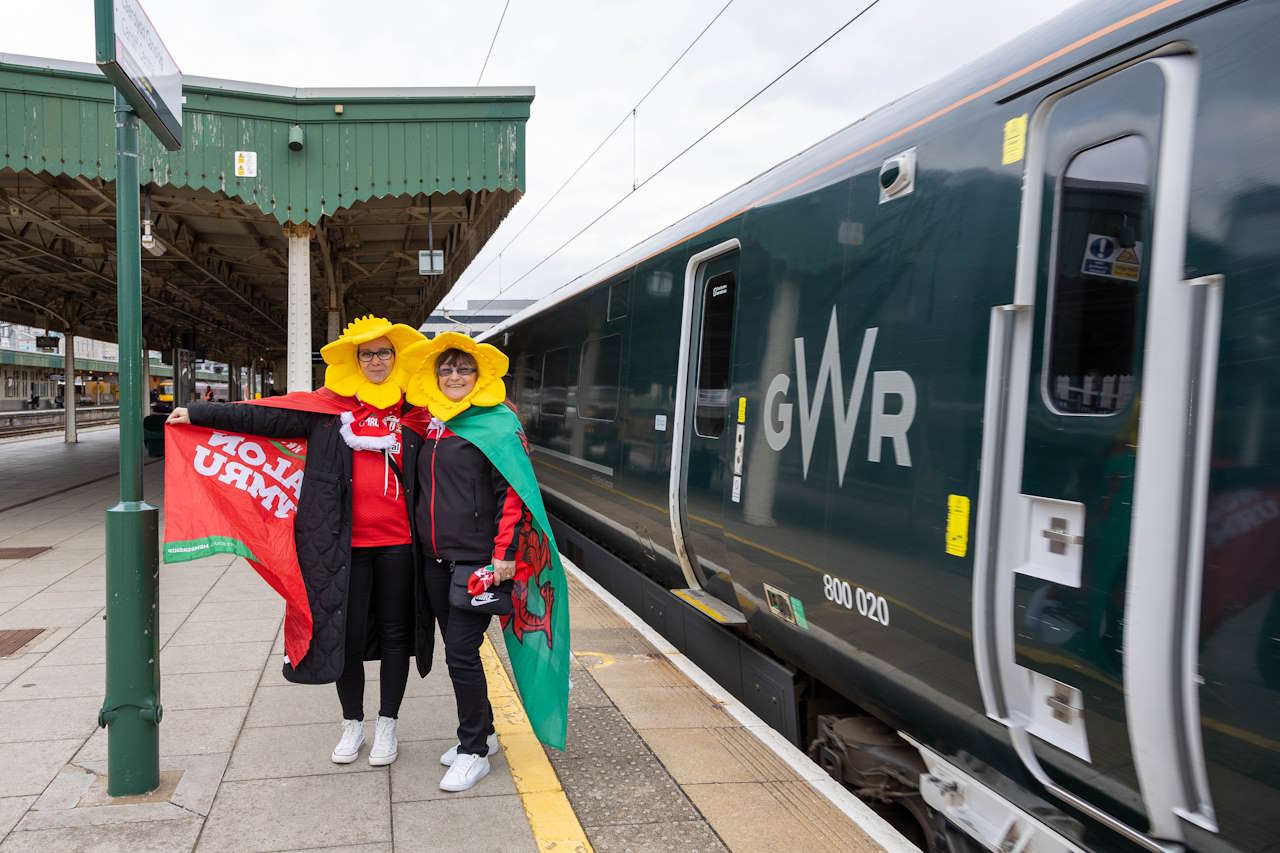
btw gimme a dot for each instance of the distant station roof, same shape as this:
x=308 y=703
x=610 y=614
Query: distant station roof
x=365 y=169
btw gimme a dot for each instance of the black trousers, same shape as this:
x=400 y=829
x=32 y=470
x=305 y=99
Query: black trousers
x=463 y=632
x=381 y=581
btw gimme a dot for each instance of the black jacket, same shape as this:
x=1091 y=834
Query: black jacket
x=322 y=529
x=465 y=509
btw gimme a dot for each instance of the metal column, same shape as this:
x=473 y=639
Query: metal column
x=299 y=344
x=69 y=399
x=131 y=711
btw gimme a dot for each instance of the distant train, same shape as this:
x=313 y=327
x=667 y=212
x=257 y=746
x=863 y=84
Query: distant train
x=952 y=444
x=35 y=381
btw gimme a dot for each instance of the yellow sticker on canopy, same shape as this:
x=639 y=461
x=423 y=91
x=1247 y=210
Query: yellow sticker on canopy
x=957 y=525
x=1015 y=140
x=742 y=410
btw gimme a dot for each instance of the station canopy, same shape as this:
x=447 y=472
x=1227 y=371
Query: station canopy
x=367 y=174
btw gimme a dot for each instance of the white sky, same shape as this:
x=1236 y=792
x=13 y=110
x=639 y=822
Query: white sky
x=591 y=62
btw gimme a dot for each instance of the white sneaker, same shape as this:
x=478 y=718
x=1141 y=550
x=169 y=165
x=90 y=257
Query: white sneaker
x=448 y=757
x=466 y=770
x=384 y=749
x=348 y=747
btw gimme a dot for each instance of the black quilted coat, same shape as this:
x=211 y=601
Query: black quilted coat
x=322 y=529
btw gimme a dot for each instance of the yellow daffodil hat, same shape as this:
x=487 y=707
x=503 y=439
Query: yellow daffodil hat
x=343 y=374
x=424 y=390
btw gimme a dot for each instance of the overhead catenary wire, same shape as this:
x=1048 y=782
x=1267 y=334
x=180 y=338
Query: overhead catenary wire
x=492 y=42
x=628 y=115
x=670 y=162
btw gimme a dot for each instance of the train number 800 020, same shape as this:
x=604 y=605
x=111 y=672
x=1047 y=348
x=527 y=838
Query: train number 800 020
x=870 y=605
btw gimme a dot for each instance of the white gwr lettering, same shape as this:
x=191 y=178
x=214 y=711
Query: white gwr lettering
x=893 y=425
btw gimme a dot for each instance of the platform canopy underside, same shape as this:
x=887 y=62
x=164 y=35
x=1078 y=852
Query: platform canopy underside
x=378 y=172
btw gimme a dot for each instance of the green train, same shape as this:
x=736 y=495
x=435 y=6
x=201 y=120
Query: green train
x=952 y=443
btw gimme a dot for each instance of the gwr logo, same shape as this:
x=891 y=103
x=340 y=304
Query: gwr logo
x=893 y=426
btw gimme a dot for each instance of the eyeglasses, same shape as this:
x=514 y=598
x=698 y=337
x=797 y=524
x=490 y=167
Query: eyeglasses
x=450 y=369
x=368 y=355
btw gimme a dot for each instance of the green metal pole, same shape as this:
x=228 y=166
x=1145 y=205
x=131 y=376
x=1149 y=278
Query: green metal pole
x=131 y=711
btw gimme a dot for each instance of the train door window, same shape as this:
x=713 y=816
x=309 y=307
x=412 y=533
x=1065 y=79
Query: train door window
x=713 y=356
x=619 y=299
x=598 y=376
x=1097 y=261
x=555 y=382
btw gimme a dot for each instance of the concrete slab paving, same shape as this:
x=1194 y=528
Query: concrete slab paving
x=45 y=719
x=11 y=811
x=164 y=836
x=496 y=825
x=248 y=753
x=240 y=631
x=208 y=689
x=29 y=766
x=225 y=657
x=54 y=682
x=280 y=814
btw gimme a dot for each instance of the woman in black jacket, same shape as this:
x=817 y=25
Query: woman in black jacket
x=353 y=528
x=468 y=517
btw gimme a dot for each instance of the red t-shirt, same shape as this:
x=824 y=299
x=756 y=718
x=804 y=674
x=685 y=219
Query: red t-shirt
x=379 y=516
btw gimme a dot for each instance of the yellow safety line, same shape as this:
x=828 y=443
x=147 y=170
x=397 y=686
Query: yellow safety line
x=554 y=824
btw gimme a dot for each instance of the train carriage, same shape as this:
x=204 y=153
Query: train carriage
x=947 y=443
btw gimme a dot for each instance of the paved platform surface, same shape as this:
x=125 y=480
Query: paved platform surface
x=33 y=467
x=653 y=762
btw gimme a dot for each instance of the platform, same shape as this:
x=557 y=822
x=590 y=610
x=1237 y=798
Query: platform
x=657 y=758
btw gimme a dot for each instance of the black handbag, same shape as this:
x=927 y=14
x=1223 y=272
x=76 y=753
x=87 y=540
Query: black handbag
x=494 y=601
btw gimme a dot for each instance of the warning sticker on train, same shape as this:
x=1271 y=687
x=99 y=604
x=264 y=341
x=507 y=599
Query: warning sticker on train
x=1105 y=256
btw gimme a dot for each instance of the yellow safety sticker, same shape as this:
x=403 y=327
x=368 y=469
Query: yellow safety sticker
x=957 y=525
x=1015 y=139
x=742 y=410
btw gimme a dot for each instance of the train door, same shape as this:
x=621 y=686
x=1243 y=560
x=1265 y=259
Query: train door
x=1086 y=577
x=704 y=436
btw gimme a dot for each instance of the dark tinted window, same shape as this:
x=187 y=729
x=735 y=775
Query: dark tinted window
x=1099 y=259
x=598 y=378
x=619 y=299
x=527 y=380
x=556 y=379
x=710 y=410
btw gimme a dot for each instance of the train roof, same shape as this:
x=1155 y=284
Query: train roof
x=1039 y=55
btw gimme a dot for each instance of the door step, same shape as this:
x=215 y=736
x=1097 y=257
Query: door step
x=710 y=606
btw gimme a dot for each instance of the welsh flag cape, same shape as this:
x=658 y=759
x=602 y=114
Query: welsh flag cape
x=232 y=493
x=537 y=632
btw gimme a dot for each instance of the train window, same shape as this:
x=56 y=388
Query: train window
x=527 y=379
x=556 y=381
x=598 y=376
x=619 y=299
x=713 y=356
x=1099 y=259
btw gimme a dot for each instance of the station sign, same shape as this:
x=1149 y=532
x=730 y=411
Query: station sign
x=133 y=57
x=47 y=343
x=431 y=262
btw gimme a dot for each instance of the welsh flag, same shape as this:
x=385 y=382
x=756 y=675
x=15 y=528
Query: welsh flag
x=226 y=493
x=537 y=631
x=229 y=493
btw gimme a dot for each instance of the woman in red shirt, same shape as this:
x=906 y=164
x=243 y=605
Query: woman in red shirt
x=353 y=528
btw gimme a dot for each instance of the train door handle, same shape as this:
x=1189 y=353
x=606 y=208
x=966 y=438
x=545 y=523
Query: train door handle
x=1059 y=537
